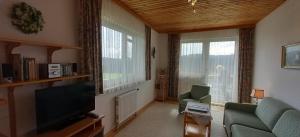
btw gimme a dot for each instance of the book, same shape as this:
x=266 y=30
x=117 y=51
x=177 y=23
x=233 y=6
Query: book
x=43 y=71
x=25 y=68
x=7 y=72
x=17 y=67
x=31 y=68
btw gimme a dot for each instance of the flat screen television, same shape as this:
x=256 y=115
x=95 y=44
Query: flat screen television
x=58 y=106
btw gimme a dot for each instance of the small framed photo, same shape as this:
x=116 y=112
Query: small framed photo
x=291 y=56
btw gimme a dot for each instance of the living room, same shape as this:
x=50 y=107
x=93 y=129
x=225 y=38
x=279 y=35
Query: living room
x=143 y=59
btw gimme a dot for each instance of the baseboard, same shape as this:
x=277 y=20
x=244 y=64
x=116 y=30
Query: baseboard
x=115 y=130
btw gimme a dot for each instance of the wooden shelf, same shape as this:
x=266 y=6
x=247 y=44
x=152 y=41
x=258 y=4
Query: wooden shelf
x=22 y=83
x=91 y=133
x=88 y=127
x=14 y=42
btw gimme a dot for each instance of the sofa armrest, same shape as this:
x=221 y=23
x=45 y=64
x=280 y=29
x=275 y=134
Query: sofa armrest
x=184 y=96
x=250 y=108
x=205 y=99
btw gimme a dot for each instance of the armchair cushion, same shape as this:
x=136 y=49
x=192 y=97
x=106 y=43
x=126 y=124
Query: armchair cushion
x=198 y=91
x=205 y=99
x=186 y=95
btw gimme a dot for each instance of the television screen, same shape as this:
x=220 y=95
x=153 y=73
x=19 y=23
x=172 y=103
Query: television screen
x=56 y=106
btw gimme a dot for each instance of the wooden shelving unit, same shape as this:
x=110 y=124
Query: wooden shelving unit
x=88 y=127
x=162 y=87
x=9 y=45
x=12 y=42
x=23 y=83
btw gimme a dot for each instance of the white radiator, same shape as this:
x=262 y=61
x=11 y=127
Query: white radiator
x=126 y=106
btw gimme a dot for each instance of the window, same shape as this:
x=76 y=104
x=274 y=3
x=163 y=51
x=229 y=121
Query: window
x=209 y=62
x=191 y=48
x=191 y=68
x=111 y=43
x=123 y=58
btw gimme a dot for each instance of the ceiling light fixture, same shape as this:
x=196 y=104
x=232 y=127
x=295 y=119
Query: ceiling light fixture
x=193 y=3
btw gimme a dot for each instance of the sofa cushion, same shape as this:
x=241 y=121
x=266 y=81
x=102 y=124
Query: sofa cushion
x=243 y=131
x=288 y=125
x=269 y=111
x=232 y=117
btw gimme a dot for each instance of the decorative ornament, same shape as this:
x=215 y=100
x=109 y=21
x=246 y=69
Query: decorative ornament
x=26 y=18
x=153 y=52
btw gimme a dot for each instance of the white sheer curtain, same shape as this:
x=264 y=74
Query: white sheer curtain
x=210 y=62
x=191 y=68
x=221 y=75
x=123 y=48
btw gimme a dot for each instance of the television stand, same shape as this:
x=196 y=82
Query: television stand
x=87 y=127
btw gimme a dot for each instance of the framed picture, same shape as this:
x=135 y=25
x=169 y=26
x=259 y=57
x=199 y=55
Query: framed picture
x=291 y=56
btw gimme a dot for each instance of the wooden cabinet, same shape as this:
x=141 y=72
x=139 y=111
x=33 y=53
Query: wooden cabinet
x=162 y=87
x=88 y=127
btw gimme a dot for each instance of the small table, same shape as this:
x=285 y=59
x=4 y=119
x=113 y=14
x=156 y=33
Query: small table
x=197 y=124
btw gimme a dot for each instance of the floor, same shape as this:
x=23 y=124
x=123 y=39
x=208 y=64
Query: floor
x=162 y=120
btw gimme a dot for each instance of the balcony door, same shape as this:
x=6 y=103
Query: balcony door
x=210 y=62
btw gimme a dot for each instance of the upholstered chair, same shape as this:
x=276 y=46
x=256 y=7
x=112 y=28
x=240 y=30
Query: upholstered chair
x=198 y=93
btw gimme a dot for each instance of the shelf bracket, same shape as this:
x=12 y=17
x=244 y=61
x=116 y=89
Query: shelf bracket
x=12 y=112
x=51 y=83
x=50 y=51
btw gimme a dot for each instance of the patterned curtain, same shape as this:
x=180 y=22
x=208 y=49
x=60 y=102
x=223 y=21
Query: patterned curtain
x=174 y=53
x=148 y=52
x=90 y=41
x=246 y=59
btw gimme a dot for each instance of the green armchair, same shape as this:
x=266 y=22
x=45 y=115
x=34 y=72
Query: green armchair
x=197 y=94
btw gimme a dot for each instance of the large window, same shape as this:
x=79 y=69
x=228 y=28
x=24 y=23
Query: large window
x=190 y=65
x=212 y=62
x=123 y=58
x=123 y=48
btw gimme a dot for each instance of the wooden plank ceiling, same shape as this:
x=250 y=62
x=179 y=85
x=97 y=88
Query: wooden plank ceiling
x=177 y=15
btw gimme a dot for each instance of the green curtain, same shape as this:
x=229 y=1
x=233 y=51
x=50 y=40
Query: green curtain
x=246 y=60
x=174 y=53
x=90 y=41
x=148 y=52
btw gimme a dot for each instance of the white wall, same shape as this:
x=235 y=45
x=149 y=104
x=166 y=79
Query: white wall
x=162 y=52
x=279 y=28
x=61 y=27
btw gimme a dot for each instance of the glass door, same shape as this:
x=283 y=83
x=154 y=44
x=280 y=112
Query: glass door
x=221 y=71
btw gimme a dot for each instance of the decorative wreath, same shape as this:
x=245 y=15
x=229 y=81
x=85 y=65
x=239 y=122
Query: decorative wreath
x=26 y=18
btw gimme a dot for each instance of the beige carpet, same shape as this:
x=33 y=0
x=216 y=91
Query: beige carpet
x=162 y=120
